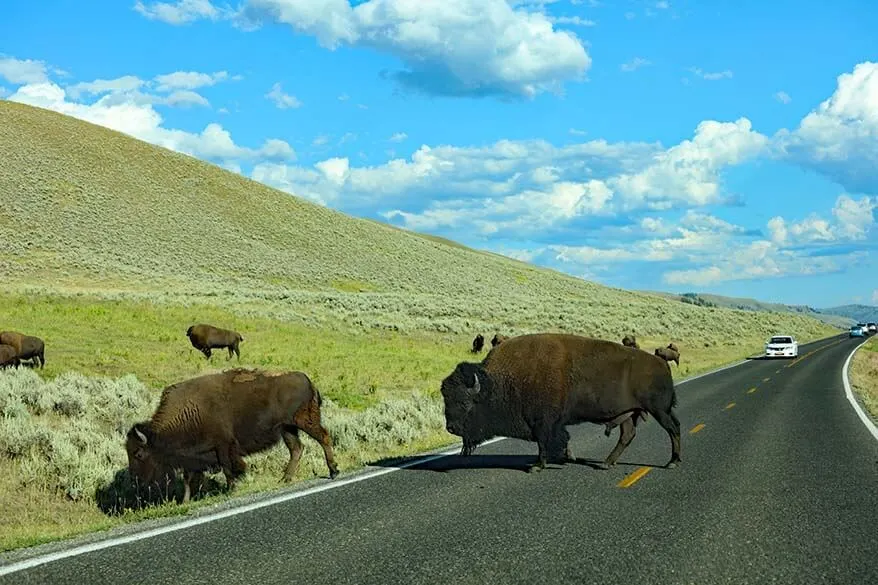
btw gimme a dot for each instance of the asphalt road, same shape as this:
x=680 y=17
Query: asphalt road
x=781 y=487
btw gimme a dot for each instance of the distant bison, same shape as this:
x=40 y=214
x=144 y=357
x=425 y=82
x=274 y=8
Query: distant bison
x=537 y=384
x=478 y=343
x=670 y=353
x=212 y=421
x=206 y=337
x=8 y=356
x=27 y=347
x=630 y=341
x=498 y=339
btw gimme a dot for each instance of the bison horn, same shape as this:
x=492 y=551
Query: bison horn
x=140 y=435
x=476 y=386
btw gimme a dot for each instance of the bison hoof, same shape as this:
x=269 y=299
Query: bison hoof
x=673 y=463
x=605 y=465
x=333 y=473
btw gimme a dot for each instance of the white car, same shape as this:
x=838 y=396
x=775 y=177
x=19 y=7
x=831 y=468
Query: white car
x=782 y=346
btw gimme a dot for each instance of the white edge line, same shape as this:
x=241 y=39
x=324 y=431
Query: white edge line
x=850 y=394
x=111 y=542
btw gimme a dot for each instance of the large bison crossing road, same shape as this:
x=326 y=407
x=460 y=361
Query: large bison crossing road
x=779 y=484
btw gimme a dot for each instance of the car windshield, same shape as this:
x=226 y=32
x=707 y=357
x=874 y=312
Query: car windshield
x=781 y=340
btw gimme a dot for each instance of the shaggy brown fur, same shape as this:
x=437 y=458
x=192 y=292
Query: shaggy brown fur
x=213 y=421
x=8 y=356
x=27 y=347
x=630 y=341
x=535 y=385
x=478 y=343
x=669 y=354
x=206 y=337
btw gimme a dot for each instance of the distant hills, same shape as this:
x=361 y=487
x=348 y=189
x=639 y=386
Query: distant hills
x=843 y=316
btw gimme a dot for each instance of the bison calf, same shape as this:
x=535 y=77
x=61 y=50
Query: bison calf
x=630 y=341
x=212 y=421
x=27 y=347
x=669 y=354
x=206 y=337
x=8 y=356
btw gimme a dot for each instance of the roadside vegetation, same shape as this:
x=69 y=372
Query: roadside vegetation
x=375 y=315
x=864 y=376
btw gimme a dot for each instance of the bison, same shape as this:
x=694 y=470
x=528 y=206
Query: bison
x=206 y=337
x=630 y=341
x=210 y=422
x=478 y=343
x=535 y=385
x=498 y=339
x=8 y=356
x=669 y=354
x=27 y=347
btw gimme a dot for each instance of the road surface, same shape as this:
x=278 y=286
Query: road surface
x=778 y=485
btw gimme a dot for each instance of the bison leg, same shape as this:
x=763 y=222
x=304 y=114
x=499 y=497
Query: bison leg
x=206 y=351
x=467 y=448
x=232 y=463
x=190 y=478
x=290 y=435
x=626 y=435
x=671 y=424
x=316 y=431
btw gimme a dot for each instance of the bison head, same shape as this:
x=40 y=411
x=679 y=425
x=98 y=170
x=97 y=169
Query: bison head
x=465 y=392
x=142 y=461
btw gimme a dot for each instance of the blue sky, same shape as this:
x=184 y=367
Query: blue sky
x=726 y=147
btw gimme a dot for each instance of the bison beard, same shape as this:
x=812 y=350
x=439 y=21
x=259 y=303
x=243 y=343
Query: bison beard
x=531 y=387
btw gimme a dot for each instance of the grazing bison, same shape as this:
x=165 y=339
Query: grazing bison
x=27 y=347
x=498 y=339
x=630 y=341
x=8 y=356
x=478 y=343
x=210 y=422
x=669 y=354
x=537 y=384
x=206 y=337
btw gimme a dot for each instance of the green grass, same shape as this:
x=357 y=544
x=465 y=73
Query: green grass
x=376 y=315
x=864 y=376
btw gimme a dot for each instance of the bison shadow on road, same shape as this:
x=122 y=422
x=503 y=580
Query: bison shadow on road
x=121 y=494
x=489 y=461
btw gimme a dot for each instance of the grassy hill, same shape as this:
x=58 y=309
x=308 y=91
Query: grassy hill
x=829 y=316
x=855 y=313
x=112 y=247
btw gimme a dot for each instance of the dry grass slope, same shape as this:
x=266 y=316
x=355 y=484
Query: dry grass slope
x=864 y=376
x=111 y=247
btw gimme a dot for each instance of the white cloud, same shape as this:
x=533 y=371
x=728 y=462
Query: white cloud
x=711 y=76
x=180 y=12
x=398 y=137
x=783 y=97
x=840 y=137
x=189 y=80
x=453 y=47
x=635 y=64
x=577 y=132
x=320 y=140
x=852 y=221
x=125 y=83
x=573 y=21
x=282 y=100
x=18 y=71
x=138 y=118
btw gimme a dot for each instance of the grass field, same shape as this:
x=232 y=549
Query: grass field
x=864 y=376
x=113 y=247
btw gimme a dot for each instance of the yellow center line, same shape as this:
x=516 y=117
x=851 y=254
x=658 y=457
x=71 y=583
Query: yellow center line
x=812 y=352
x=634 y=477
x=730 y=405
x=751 y=390
x=696 y=428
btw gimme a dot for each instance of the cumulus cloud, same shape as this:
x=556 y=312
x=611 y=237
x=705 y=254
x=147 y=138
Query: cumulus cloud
x=135 y=115
x=852 y=221
x=572 y=21
x=398 y=137
x=635 y=64
x=840 y=137
x=283 y=100
x=448 y=47
x=783 y=97
x=180 y=12
x=190 y=80
x=711 y=76
x=18 y=71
